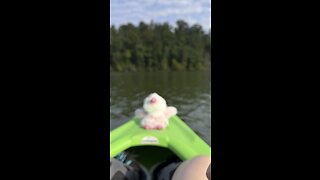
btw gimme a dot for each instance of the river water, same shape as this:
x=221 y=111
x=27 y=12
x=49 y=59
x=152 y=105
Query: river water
x=189 y=92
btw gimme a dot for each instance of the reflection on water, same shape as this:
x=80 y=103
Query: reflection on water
x=189 y=92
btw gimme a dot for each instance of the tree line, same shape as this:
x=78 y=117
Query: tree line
x=159 y=46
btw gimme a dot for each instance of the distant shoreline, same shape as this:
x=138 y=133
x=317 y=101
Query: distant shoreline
x=156 y=46
x=160 y=70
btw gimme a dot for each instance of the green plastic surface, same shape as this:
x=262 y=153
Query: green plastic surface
x=177 y=137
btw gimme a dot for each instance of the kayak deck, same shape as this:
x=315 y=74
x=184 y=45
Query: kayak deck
x=177 y=137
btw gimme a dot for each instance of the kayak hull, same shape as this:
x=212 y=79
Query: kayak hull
x=177 y=139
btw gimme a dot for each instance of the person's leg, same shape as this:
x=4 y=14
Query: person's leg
x=194 y=169
x=121 y=171
x=117 y=169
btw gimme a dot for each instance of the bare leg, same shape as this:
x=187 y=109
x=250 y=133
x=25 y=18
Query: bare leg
x=194 y=169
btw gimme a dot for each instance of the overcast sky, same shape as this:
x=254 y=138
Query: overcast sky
x=134 y=11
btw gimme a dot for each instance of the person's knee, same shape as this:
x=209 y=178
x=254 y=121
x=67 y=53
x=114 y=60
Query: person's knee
x=194 y=169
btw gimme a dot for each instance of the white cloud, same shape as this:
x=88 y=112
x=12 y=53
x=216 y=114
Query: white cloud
x=177 y=2
x=192 y=11
x=176 y=11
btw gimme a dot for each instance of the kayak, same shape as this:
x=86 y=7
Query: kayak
x=150 y=147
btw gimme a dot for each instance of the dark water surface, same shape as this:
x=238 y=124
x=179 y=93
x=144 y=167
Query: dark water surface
x=189 y=92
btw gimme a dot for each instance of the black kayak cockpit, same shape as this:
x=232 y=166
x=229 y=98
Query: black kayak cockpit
x=148 y=162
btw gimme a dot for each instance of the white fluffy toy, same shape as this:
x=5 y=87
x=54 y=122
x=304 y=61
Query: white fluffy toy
x=155 y=113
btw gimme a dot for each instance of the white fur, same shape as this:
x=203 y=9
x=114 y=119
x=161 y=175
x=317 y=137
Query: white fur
x=155 y=115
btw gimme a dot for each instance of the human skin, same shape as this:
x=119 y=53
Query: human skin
x=198 y=168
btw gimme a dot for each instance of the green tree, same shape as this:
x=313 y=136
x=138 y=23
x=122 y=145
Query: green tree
x=157 y=46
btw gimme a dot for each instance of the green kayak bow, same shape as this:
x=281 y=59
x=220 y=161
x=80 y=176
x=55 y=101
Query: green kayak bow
x=177 y=137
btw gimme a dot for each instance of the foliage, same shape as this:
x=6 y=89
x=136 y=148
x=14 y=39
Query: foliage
x=159 y=47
